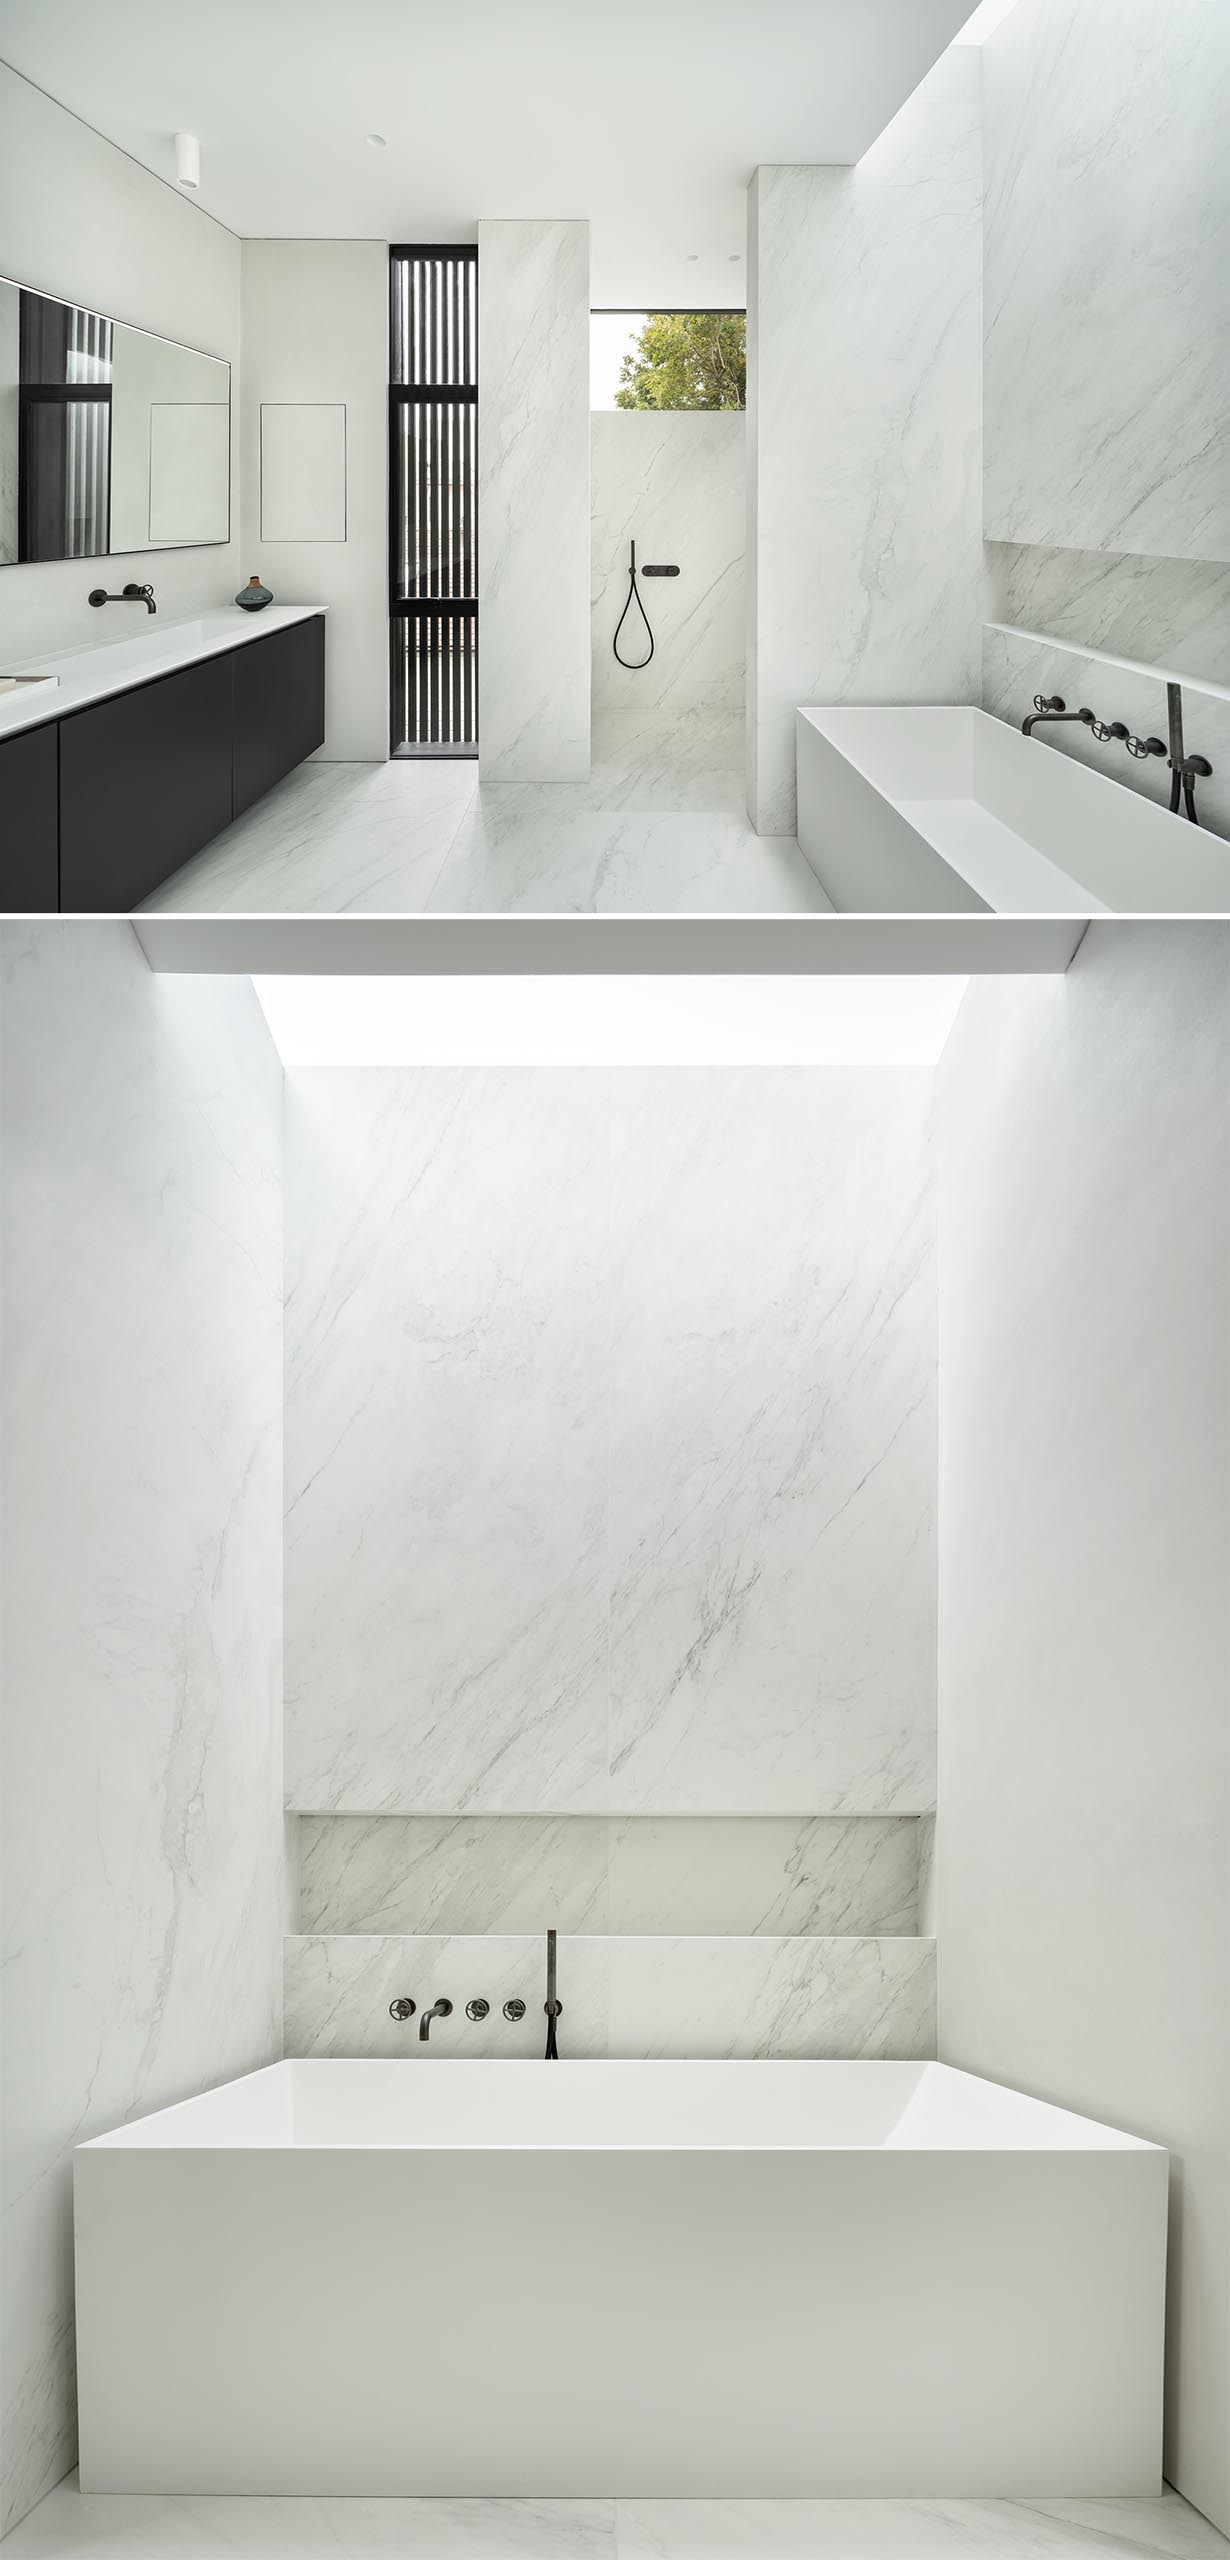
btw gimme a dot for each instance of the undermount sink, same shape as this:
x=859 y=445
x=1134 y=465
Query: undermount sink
x=921 y=809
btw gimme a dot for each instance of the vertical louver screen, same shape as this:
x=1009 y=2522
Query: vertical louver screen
x=433 y=488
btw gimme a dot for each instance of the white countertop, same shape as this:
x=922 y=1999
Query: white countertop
x=90 y=673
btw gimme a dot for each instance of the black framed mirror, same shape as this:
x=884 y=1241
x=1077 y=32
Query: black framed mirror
x=111 y=439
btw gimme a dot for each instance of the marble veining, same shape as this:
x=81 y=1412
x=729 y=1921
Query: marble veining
x=658 y=827
x=1016 y=666
x=772 y=1637
x=1173 y=613
x=864 y=544
x=507 y=1874
x=673 y=482
x=445 y=1560
x=1106 y=253
x=694 y=1998
x=533 y=500
x=610 y=1442
x=70 y=2526
x=144 y=1891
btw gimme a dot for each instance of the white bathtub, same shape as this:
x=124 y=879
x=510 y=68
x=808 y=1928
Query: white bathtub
x=752 y=2279
x=939 y=808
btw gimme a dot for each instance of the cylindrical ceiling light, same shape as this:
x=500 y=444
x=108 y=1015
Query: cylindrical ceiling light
x=187 y=160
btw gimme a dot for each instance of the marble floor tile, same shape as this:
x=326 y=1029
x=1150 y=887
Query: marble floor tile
x=659 y=827
x=913 y=2529
x=533 y=860
x=331 y=839
x=70 y=2526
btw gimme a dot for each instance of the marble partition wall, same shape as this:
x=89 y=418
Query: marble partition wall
x=864 y=428
x=1107 y=242
x=508 y=1875
x=702 y=1998
x=610 y=1442
x=674 y=483
x=533 y=501
x=143 y=1893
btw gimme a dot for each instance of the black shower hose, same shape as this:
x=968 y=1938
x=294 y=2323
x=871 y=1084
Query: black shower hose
x=634 y=597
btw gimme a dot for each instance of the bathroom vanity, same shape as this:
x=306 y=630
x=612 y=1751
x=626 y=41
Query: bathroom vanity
x=144 y=749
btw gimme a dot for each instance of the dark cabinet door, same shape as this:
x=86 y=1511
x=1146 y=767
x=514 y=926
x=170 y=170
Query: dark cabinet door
x=29 y=823
x=279 y=706
x=145 y=781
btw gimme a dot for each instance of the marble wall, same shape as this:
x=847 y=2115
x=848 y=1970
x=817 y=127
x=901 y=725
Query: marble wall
x=704 y=1998
x=609 y=1441
x=1016 y=666
x=143 y=1894
x=864 y=389
x=1167 y=613
x=742 y=1875
x=533 y=501
x=1107 y=248
x=673 y=483
x=1081 y=1887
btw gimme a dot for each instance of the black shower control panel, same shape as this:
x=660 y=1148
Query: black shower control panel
x=660 y=569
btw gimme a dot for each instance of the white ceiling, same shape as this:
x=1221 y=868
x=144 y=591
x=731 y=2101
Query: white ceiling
x=646 y=115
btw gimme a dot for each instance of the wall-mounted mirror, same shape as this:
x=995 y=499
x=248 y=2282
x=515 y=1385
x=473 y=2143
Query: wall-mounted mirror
x=110 y=439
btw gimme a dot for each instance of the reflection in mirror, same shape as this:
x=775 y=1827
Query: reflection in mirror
x=110 y=439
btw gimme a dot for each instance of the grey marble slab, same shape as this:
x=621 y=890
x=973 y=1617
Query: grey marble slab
x=1172 y=613
x=387 y=1874
x=626 y=1997
x=1017 y=665
x=609 y=1441
x=1106 y=249
x=142 y=1852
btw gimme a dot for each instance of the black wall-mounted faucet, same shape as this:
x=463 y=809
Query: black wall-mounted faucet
x=438 y=2009
x=131 y=594
x=1051 y=706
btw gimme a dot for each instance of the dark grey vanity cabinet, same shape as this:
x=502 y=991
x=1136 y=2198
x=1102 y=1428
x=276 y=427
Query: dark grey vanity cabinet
x=29 y=824
x=279 y=707
x=145 y=781
x=100 y=806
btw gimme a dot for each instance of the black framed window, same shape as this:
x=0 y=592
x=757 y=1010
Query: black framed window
x=433 y=501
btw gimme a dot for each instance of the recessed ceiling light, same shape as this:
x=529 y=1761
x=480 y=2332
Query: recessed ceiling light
x=377 y=141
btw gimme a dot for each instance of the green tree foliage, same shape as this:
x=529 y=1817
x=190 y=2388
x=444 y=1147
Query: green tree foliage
x=686 y=360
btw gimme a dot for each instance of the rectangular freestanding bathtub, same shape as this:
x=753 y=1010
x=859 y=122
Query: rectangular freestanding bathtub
x=753 y=2279
x=930 y=807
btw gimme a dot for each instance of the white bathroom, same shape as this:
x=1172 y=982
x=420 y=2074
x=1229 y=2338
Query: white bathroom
x=448 y=556
x=615 y=1759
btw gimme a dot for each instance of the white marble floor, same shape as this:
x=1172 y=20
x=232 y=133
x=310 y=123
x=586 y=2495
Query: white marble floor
x=69 y=2526
x=660 y=828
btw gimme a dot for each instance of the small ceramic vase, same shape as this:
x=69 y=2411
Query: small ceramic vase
x=254 y=596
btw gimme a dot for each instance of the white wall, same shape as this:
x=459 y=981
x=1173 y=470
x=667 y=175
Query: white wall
x=140 y=1749
x=1082 y=1882
x=673 y=482
x=316 y=331
x=864 y=421
x=609 y=1441
x=533 y=501
x=79 y=219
